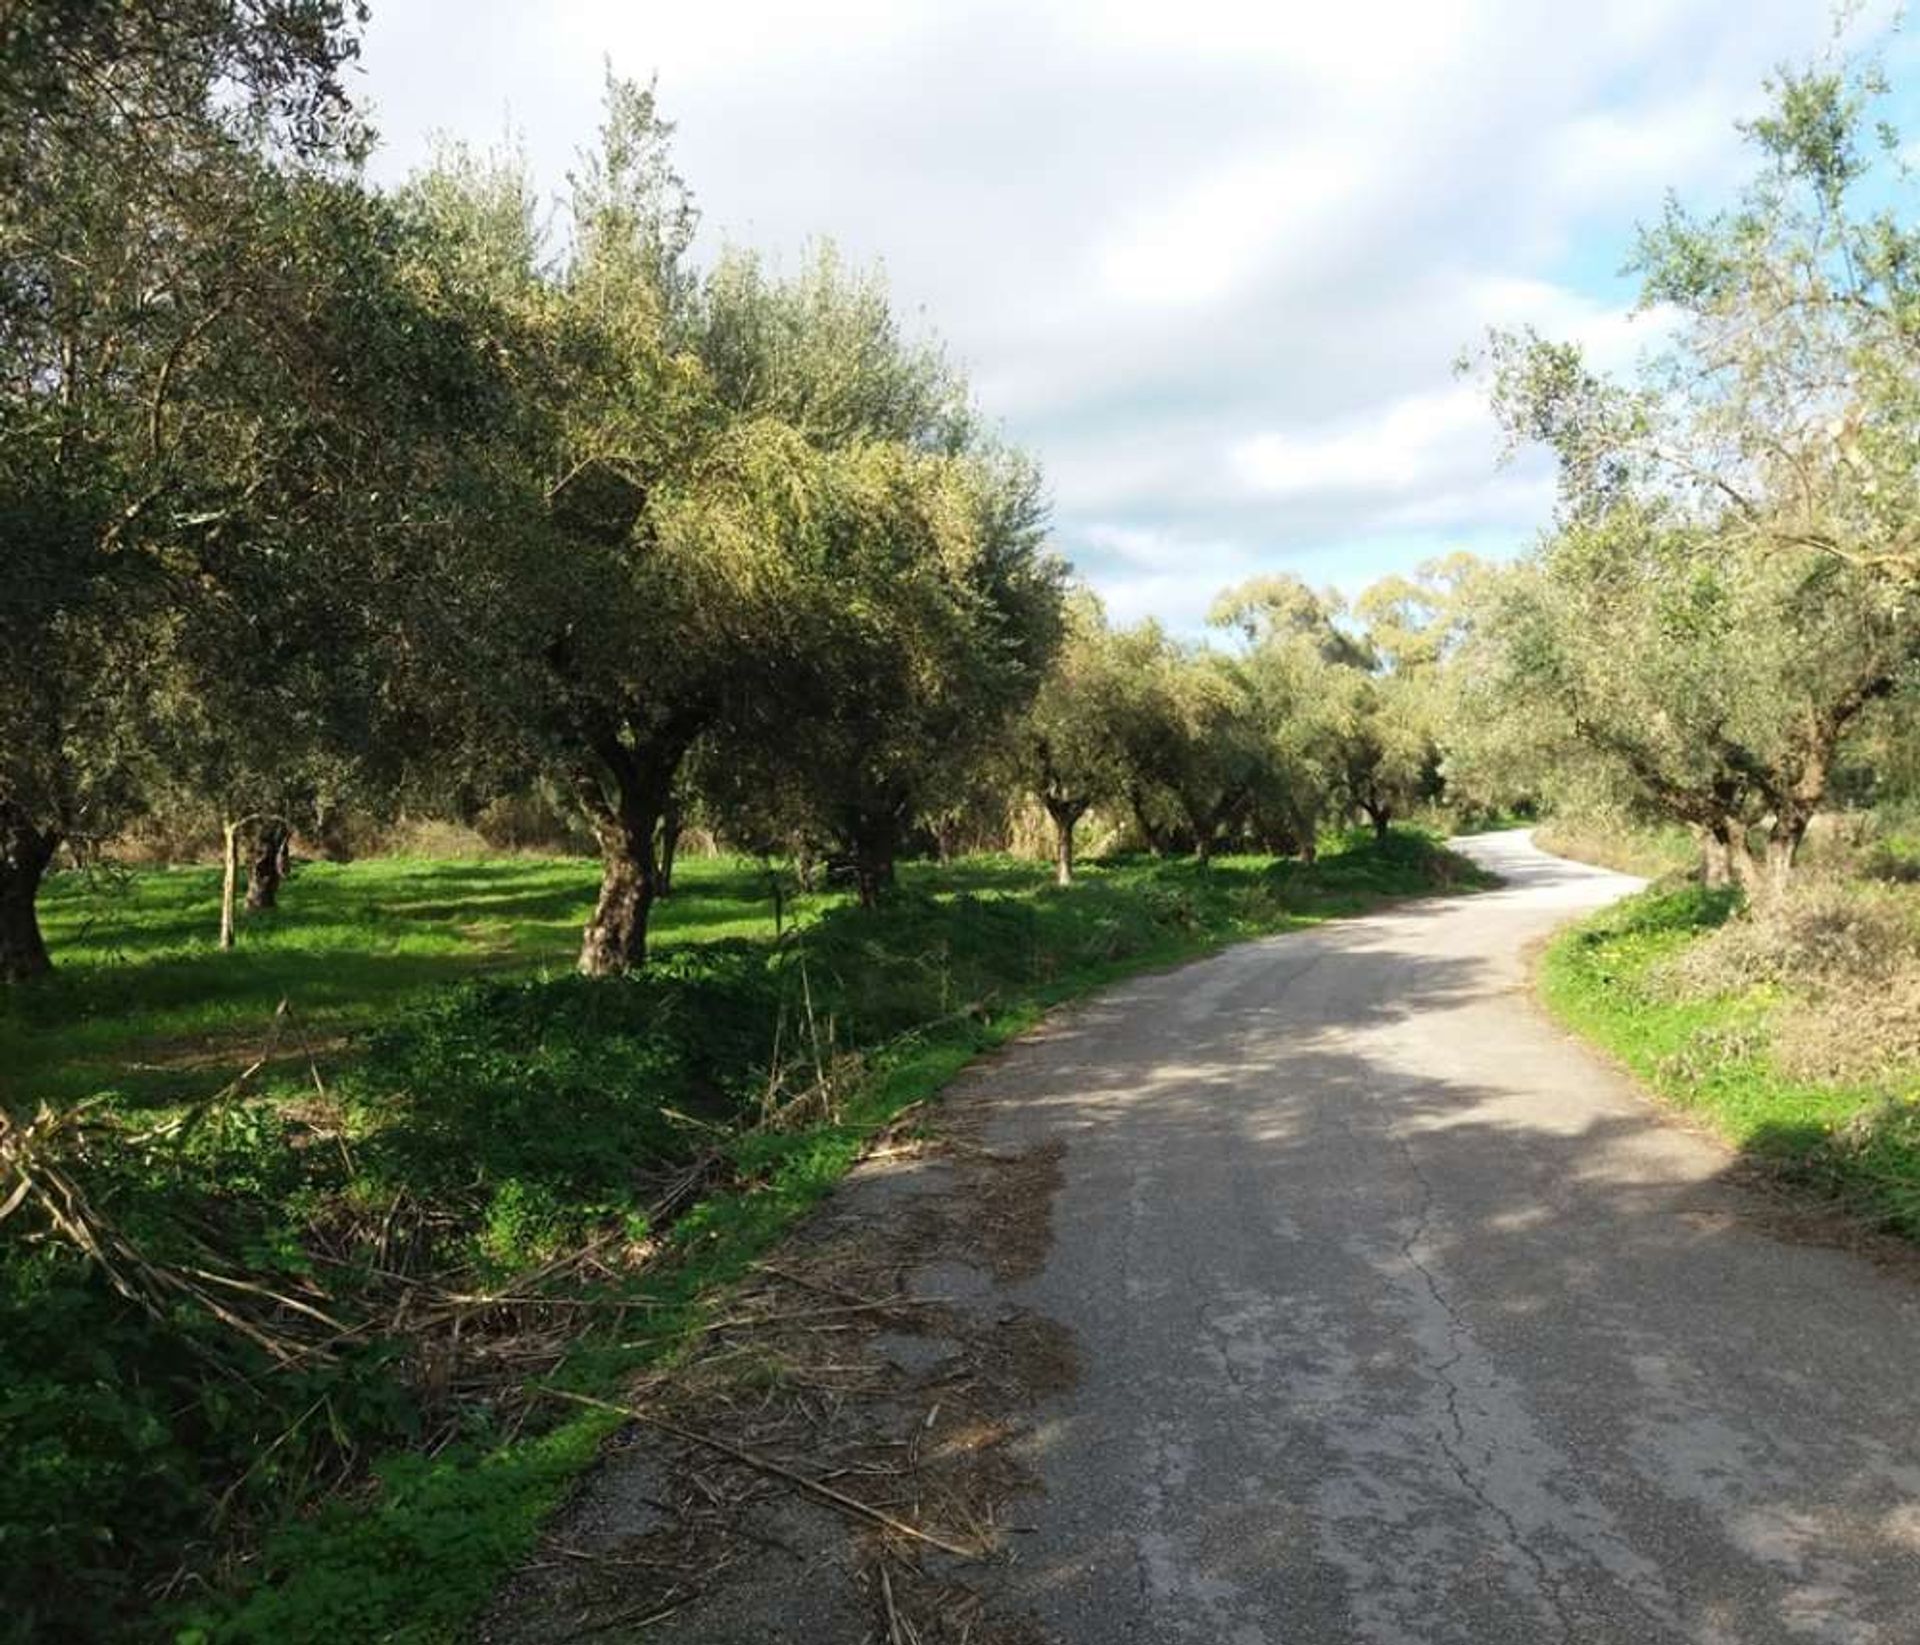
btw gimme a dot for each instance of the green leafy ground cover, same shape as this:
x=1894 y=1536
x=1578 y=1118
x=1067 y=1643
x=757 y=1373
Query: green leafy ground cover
x=143 y=1002
x=480 y=1112
x=1616 y=978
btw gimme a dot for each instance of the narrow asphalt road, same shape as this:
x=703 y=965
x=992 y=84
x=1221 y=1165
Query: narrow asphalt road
x=1404 y=1318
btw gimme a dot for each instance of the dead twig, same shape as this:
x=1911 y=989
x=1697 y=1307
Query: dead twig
x=895 y=1634
x=741 y=1321
x=766 y=1465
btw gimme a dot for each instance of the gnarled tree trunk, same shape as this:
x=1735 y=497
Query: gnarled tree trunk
x=1784 y=838
x=626 y=796
x=615 y=939
x=1716 y=857
x=873 y=874
x=1066 y=815
x=25 y=855
x=616 y=936
x=1740 y=858
x=873 y=836
x=269 y=866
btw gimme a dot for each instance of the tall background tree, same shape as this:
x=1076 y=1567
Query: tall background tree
x=171 y=295
x=1730 y=586
x=1064 y=748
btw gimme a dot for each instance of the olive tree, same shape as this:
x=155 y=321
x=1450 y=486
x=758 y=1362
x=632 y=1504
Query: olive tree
x=927 y=634
x=200 y=352
x=1349 y=693
x=752 y=516
x=1731 y=586
x=922 y=604
x=606 y=590
x=1718 y=686
x=1216 y=754
x=1296 y=694
x=1782 y=409
x=1065 y=748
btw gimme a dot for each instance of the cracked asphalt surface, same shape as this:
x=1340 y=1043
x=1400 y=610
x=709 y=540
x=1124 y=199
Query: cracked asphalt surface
x=1402 y=1317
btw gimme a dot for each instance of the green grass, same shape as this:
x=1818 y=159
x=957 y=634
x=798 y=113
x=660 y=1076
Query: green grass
x=1710 y=1056
x=1626 y=848
x=144 y=1003
x=519 y=1110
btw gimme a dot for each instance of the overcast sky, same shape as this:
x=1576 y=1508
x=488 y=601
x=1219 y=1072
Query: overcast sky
x=1211 y=263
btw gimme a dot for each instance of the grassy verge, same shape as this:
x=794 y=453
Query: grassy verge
x=1714 y=1015
x=305 y=1412
x=1625 y=848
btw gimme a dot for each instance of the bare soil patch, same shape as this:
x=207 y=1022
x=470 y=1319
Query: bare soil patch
x=839 y=1457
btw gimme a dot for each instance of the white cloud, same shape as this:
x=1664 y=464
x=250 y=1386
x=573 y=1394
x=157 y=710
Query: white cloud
x=1214 y=237
x=1213 y=262
x=1413 y=440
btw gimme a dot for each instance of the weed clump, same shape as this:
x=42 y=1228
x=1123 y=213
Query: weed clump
x=1824 y=934
x=1840 y=958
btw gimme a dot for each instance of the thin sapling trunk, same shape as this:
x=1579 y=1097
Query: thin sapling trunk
x=229 y=881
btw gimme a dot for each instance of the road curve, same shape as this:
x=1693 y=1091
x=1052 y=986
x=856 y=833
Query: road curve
x=1404 y=1318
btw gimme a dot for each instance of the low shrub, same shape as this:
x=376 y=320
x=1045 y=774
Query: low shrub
x=1824 y=933
x=1863 y=1036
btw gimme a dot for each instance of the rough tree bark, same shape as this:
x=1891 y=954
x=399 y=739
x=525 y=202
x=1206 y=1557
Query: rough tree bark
x=1716 y=858
x=1066 y=815
x=625 y=802
x=1783 y=842
x=269 y=866
x=25 y=855
x=615 y=939
x=873 y=875
x=873 y=835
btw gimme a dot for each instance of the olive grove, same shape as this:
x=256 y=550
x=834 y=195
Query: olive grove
x=1728 y=593
x=326 y=501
